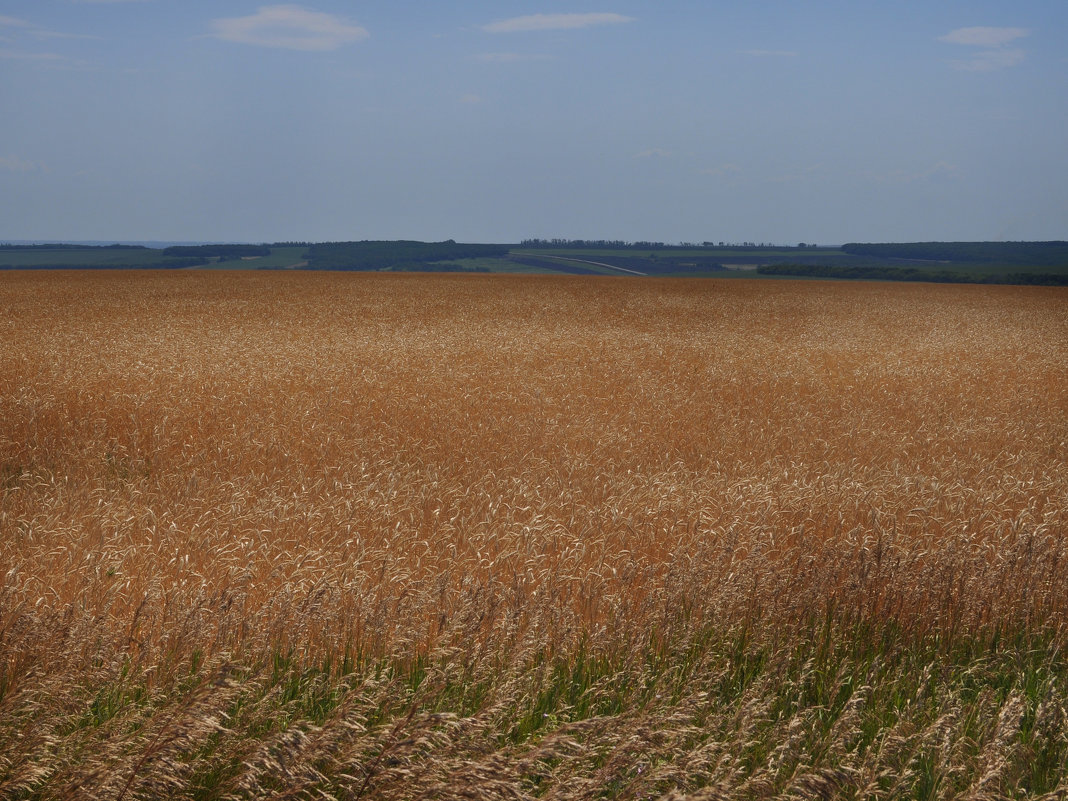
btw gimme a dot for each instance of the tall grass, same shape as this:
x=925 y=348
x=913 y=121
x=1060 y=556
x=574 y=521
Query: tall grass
x=315 y=535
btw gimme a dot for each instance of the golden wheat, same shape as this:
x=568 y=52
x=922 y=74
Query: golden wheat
x=395 y=536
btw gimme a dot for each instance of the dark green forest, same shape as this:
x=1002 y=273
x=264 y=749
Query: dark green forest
x=1045 y=254
x=401 y=254
x=68 y=246
x=218 y=251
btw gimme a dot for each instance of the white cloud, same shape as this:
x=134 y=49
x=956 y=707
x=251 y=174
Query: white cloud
x=653 y=152
x=13 y=22
x=554 y=22
x=289 y=26
x=984 y=37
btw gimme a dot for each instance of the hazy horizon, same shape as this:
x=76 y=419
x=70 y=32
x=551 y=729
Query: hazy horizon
x=826 y=122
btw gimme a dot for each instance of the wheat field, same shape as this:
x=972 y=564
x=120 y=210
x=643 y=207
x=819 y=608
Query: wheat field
x=315 y=535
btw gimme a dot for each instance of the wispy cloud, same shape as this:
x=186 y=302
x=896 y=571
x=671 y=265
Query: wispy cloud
x=770 y=53
x=28 y=28
x=939 y=172
x=290 y=27
x=56 y=61
x=984 y=37
x=509 y=58
x=23 y=55
x=15 y=164
x=996 y=56
x=797 y=174
x=653 y=153
x=722 y=171
x=988 y=60
x=554 y=22
x=42 y=34
x=470 y=99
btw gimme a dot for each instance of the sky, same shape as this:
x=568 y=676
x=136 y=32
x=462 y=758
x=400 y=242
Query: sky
x=780 y=121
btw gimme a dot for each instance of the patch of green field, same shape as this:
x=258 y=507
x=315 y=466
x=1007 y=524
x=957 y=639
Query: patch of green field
x=727 y=254
x=280 y=258
x=689 y=262
x=578 y=259
x=492 y=265
x=514 y=267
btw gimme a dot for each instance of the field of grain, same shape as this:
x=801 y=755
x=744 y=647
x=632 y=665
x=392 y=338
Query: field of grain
x=506 y=537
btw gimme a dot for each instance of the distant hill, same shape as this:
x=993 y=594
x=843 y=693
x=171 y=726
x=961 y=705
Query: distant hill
x=1032 y=254
x=381 y=254
x=1043 y=263
x=95 y=243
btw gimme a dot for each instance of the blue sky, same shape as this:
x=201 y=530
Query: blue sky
x=670 y=120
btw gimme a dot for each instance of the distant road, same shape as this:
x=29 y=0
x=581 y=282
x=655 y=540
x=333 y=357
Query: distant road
x=586 y=261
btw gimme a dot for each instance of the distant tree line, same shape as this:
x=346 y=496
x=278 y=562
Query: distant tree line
x=219 y=251
x=400 y=254
x=910 y=274
x=159 y=264
x=619 y=244
x=65 y=246
x=591 y=244
x=1039 y=254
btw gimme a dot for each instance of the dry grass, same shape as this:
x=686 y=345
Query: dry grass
x=370 y=536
